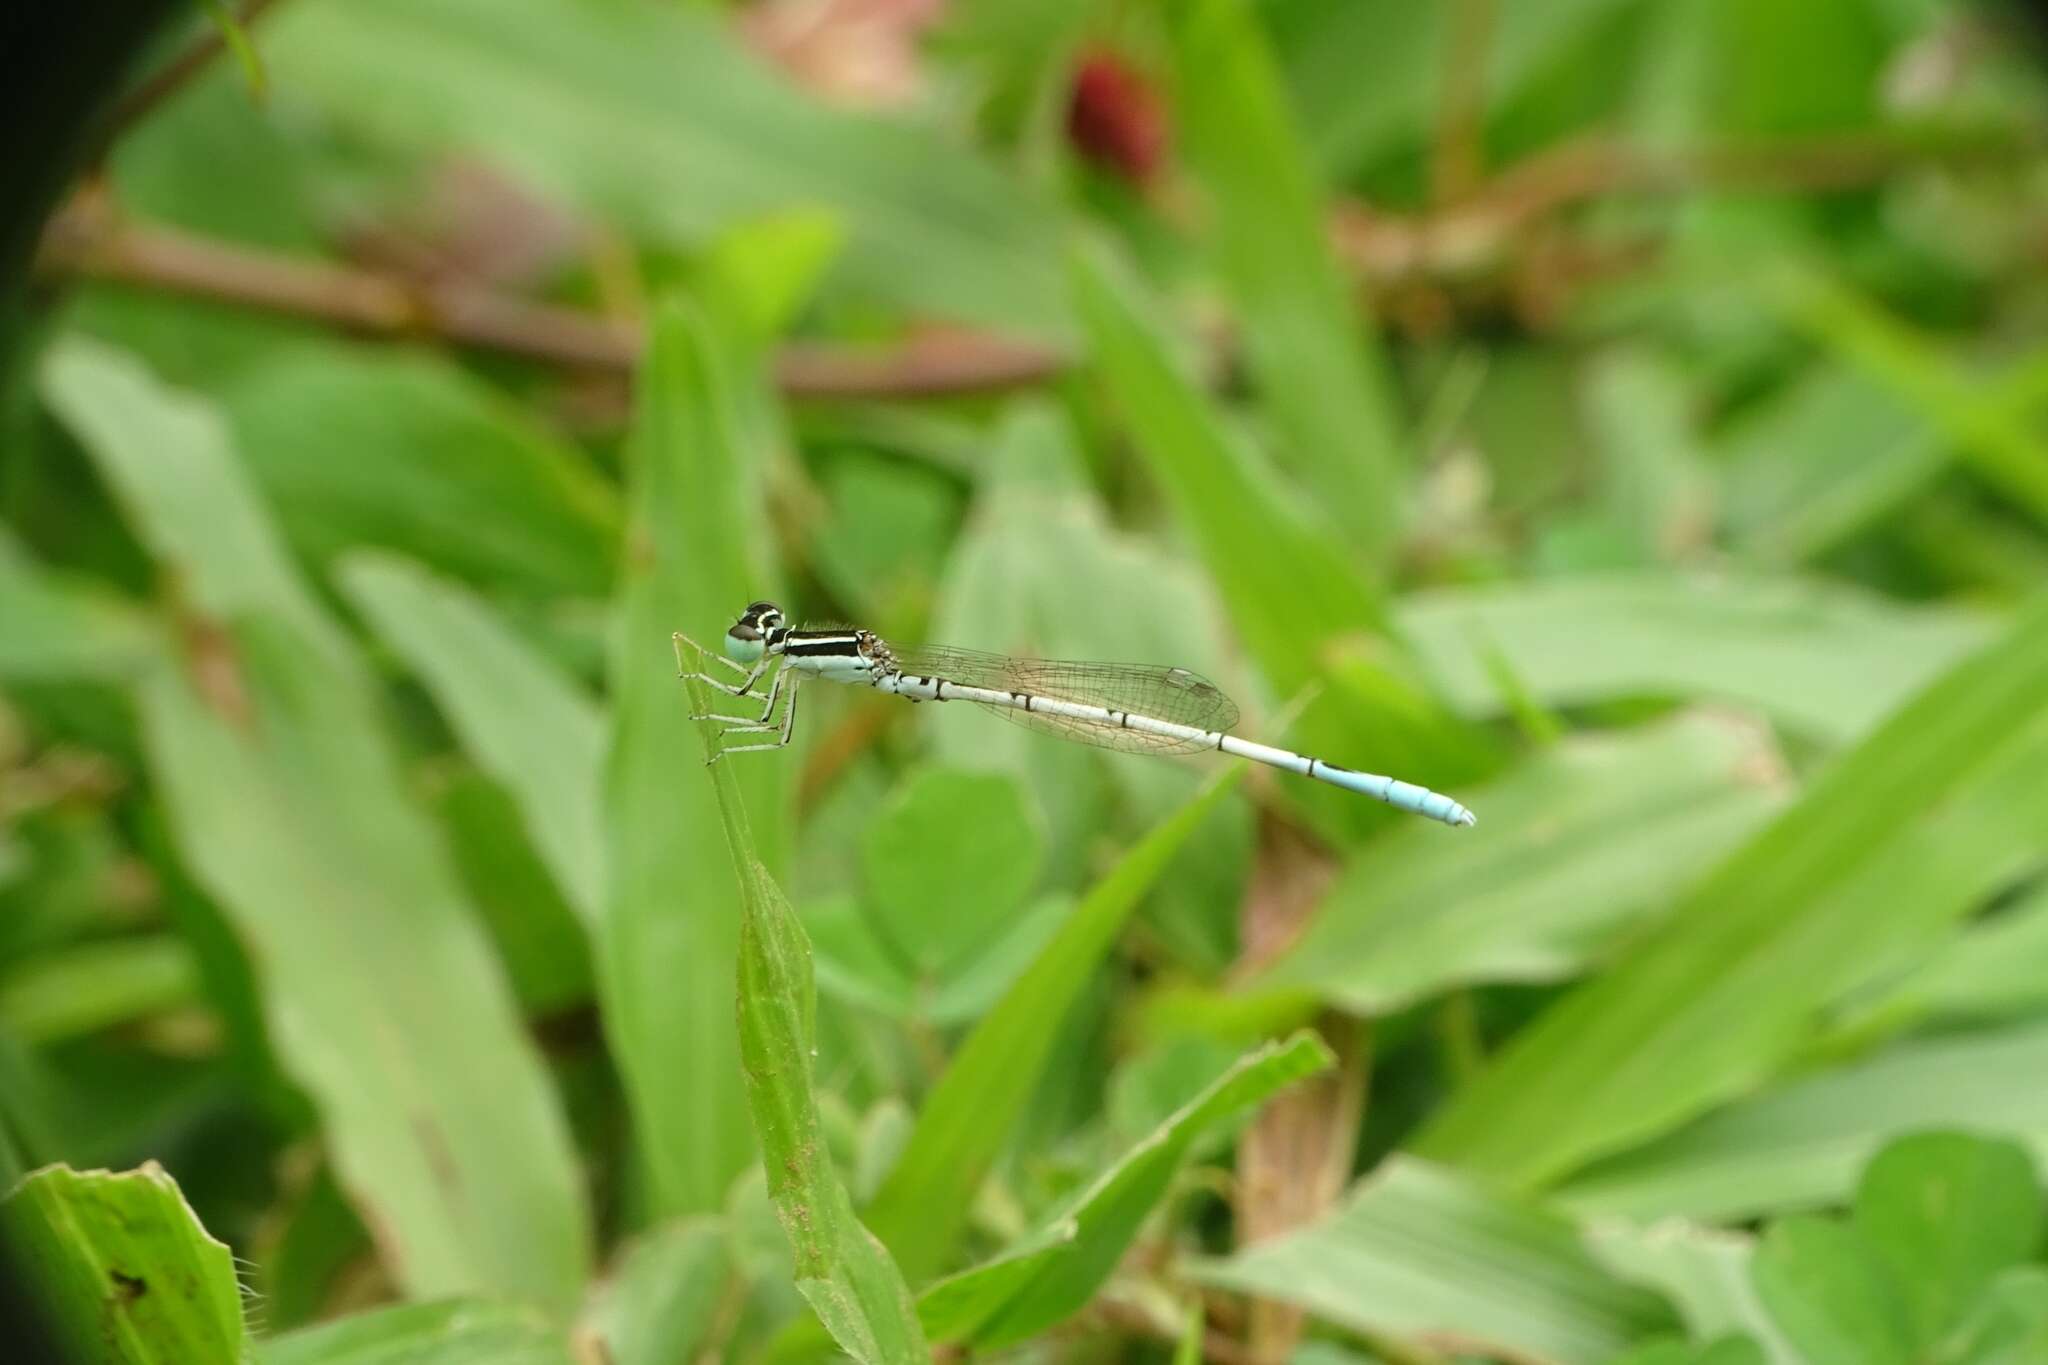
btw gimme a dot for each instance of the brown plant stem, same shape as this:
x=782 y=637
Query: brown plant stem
x=86 y=242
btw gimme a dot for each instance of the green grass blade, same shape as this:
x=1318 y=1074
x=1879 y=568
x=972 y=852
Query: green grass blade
x=1577 y=847
x=1054 y=1274
x=448 y=1332
x=170 y=464
x=1308 y=351
x=1995 y=971
x=1992 y=434
x=120 y=1268
x=287 y=802
x=381 y=994
x=664 y=1297
x=1716 y=1001
x=1419 y=1254
x=967 y=1117
x=1828 y=661
x=1275 y=568
x=1802 y=1144
x=522 y=722
x=84 y=987
x=1823 y=463
x=841 y=1269
x=671 y=927
x=410 y=453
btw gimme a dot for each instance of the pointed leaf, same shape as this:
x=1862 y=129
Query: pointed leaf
x=1053 y=1274
x=519 y=718
x=670 y=932
x=447 y=1332
x=1322 y=376
x=1829 y=661
x=1418 y=1253
x=1752 y=952
x=1804 y=1143
x=119 y=1268
x=967 y=1117
x=1577 y=847
x=840 y=1268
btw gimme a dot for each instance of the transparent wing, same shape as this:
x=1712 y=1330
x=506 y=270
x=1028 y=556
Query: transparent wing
x=1172 y=694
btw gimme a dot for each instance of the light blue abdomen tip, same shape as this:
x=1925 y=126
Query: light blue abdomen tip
x=1423 y=801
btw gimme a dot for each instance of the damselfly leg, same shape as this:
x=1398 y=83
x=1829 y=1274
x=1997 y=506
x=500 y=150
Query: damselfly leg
x=736 y=725
x=744 y=725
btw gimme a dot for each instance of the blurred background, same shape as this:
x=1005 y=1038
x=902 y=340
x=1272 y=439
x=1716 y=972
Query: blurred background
x=1629 y=417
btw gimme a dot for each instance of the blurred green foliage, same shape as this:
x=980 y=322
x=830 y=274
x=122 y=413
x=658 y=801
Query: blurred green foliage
x=1630 y=417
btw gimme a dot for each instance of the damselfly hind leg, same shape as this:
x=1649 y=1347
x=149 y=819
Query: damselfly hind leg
x=741 y=725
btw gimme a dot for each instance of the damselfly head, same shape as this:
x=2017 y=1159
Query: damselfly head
x=749 y=635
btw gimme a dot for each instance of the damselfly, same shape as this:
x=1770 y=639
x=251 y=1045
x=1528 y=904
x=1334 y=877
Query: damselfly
x=1138 y=707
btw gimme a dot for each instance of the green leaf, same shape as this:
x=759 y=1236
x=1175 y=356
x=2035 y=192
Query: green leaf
x=287 y=803
x=120 y=1268
x=1992 y=435
x=1276 y=570
x=1727 y=1351
x=382 y=998
x=448 y=1332
x=863 y=967
x=2010 y=1324
x=1828 y=661
x=948 y=860
x=89 y=986
x=1803 y=1143
x=1825 y=462
x=1719 y=998
x=841 y=1269
x=1308 y=349
x=1577 y=847
x=1702 y=1272
x=1841 y=43
x=524 y=723
x=614 y=107
x=1417 y=1253
x=1948 y=1213
x=967 y=1117
x=661 y=1302
x=63 y=630
x=544 y=945
x=1054 y=1273
x=170 y=464
x=670 y=930
x=1831 y=1296
x=1038 y=570
x=1367 y=77
x=358 y=448
x=1996 y=970
x=1657 y=489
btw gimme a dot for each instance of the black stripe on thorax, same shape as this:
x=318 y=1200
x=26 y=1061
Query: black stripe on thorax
x=818 y=643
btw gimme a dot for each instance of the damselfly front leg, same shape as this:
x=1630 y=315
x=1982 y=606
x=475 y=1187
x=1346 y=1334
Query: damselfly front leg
x=749 y=676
